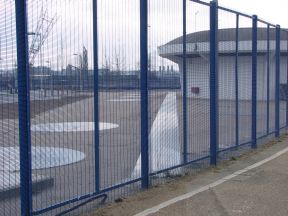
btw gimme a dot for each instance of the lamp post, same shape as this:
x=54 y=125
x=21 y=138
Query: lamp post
x=31 y=59
x=80 y=69
x=0 y=48
x=195 y=19
x=51 y=77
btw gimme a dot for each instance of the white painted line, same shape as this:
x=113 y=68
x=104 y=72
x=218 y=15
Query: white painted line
x=125 y=100
x=42 y=158
x=71 y=126
x=207 y=187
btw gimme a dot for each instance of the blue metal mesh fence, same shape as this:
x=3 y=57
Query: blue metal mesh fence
x=283 y=77
x=227 y=78
x=244 y=82
x=197 y=75
x=93 y=134
x=9 y=130
x=271 y=96
x=261 y=79
x=119 y=96
x=165 y=100
x=61 y=100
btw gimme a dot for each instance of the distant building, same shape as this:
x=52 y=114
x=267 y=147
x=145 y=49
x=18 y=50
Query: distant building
x=198 y=62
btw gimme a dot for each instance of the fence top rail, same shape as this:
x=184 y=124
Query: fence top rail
x=235 y=12
x=267 y=23
x=201 y=2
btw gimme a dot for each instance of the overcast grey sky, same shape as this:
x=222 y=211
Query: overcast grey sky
x=273 y=11
x=119 y=27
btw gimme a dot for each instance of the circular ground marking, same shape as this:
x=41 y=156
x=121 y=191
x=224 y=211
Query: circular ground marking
x=125 y=100
x=71 y=126
x=42 y=157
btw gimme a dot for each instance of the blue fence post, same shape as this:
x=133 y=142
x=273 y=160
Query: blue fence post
x=144 y=92
x=184 y=86
x=96 y=98
x=24 y=107
x=254 y=81
x=268 y=80
x=213 y=82
x=277 y=83
x=236 y=81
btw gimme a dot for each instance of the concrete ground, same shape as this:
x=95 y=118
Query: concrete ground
x=119 y=147
x=261 y=190
x=257 y=192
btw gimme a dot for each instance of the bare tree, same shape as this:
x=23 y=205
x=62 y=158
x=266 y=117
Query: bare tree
x=119 y=64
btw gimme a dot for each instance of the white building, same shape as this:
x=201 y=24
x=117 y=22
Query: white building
x=198 y=62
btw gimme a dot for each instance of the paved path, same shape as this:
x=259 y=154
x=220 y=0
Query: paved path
x=259 y=191
x=255 y=184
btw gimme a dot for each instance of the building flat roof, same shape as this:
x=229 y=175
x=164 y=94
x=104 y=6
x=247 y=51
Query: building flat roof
x=245 y=34
x=198 y=43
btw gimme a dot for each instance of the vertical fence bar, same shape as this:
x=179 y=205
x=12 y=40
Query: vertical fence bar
x=213 y=82
x=277 y=83
x=254 y=82
x=96 y=98
x=268 y=80
x=236 y=81
x=184 y=86
x=144 y=92
x=24 y=107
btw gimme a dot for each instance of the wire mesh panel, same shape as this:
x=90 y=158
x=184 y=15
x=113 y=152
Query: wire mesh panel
x=227 y=78
x=244 y=80
x=283 y=76
x=61 y=100
x=119 y=76
x=165 y=30
x=262 y=65
x=272 y=73
x=197 y=75
x=9 y=144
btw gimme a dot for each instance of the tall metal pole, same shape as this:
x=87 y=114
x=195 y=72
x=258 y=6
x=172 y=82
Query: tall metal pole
x=96 y=99
x=144 y=92
x=236 y=81
x=24 y=108
x=254 y=82
x=184 y=85
x=268 y=80
x=213 y=82
x=277 y=83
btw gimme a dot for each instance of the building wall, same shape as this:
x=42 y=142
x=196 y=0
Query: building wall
x=198 y=77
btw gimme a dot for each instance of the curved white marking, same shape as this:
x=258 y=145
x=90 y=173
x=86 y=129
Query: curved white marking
x=42 y=157
x=71 y=126
x=125 y=100
x=207 y=187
